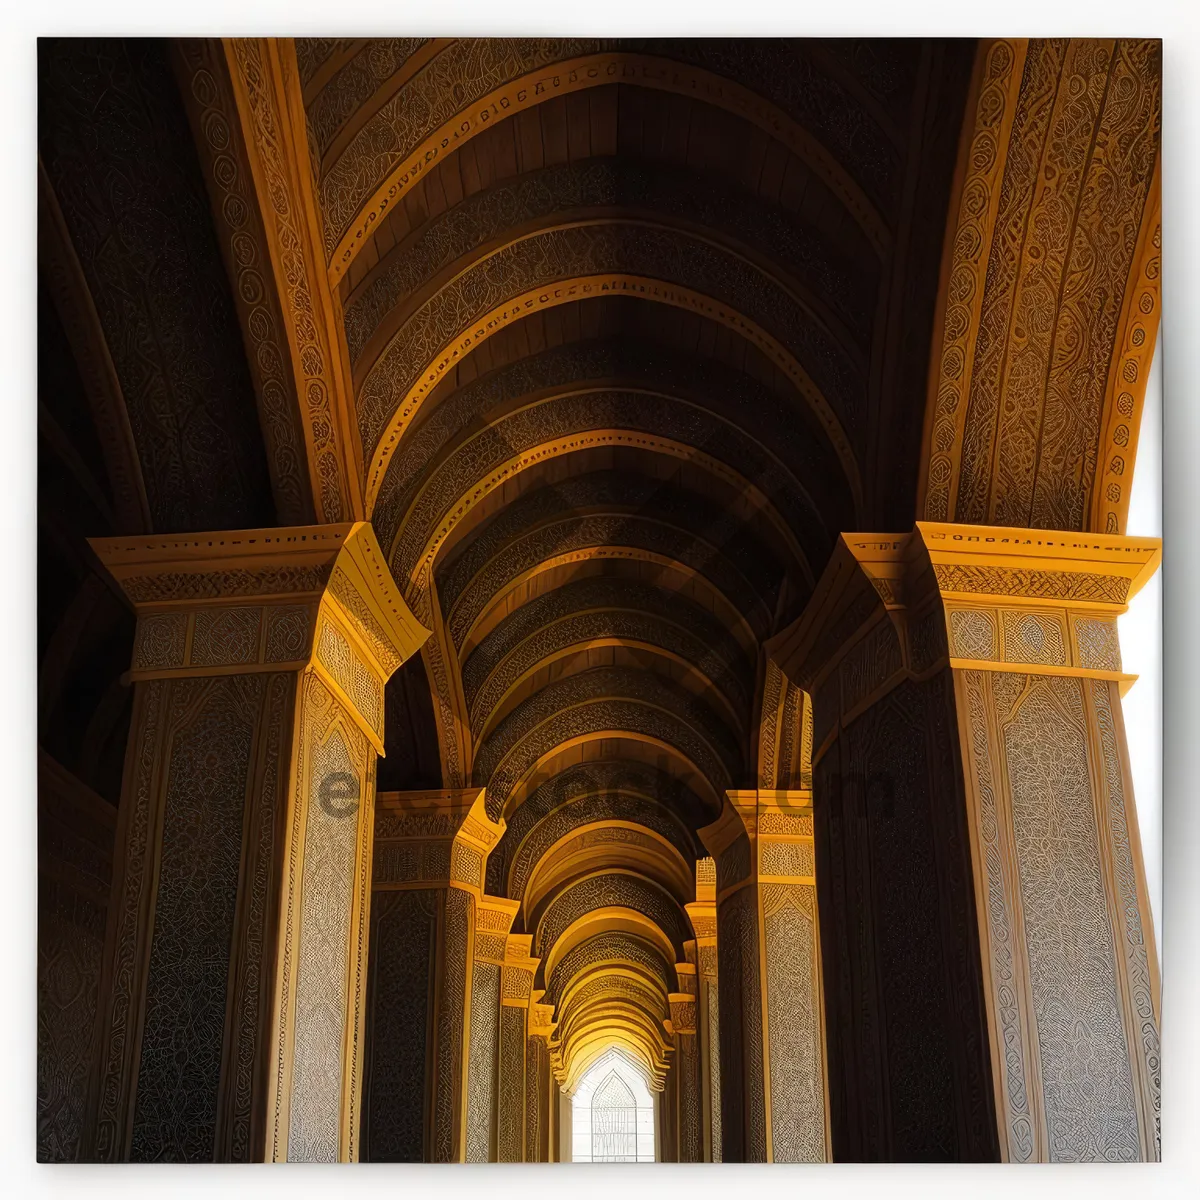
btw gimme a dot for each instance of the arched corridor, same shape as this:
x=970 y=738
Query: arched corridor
x=540 y=762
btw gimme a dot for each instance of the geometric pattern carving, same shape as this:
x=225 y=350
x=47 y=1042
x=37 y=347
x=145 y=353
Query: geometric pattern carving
x=794 y=859
x=588 y=608
x=451 y=1013
x=830 y=382
x=1032 y=584
x=582 y=811
x=329 y=854
x=974 y=634
x=794 y=1031
x=1001 y=933
x=605 y=947
x=467 y=70
x=743 y=1103
x=807 y=89
x=1043 y=253
x=663 y=378
x=481 y=1062
x=368 y=71
x=1033 y=638
x=1087 y=1090
x=352 y=675
x=261 y=80
x=511 y=1095
x=604 y=697
x=204 y=78
x=1099 y=648
x=187 y=985
x=369 y=627
x=1137 y=960
x=592 y=791
x=225 y=636
x=969 y=264
x=161 y=639
x=287 y=632
x=686 y=526
x=312 y=53
x=153 y=269
x=807 y=250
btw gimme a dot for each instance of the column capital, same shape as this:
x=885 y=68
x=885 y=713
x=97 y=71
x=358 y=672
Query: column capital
x=683 y=1014
x=246 y=601
x=494 y=916
x=778 y=826
x=769 y=813
x=895 y=606
x=519 y=971
x=541 y=1018
x=436 y=838
x=724 y=831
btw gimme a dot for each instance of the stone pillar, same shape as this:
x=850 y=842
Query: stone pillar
x=773 y=1076
x=667 y=1100
x=431 y=851
x=992 y=965
x=513 y=1037
x=493 y=919
x=703 y=954
x=232 y=991
x=685 y=1095
x=541 y=1089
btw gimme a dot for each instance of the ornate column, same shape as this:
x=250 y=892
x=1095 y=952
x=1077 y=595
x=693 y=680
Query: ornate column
x=431 y=851
x=493 y=919
x=702 y=952
x=773 y=1077
x=992 y=965
x=514 y=1055
x=230 y=1018
x=541 y=1088
x=688 y=1123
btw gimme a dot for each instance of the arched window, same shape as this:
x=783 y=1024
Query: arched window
x=614 y=1121
x=612 y=1113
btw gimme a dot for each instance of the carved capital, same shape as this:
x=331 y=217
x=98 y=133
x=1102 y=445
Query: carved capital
x=518 y=971
x=894 y=607
x=541 y=1022
x=682 y=1021
x=307 y=598
x=438 y=838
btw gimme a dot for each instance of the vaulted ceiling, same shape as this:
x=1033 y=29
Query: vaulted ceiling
x=635 y=330
x=625 y=333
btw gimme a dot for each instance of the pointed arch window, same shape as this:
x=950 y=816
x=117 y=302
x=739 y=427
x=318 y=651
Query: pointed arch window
x=612 y=1114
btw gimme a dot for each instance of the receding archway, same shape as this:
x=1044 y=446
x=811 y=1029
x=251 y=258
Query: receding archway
x=613 y=1113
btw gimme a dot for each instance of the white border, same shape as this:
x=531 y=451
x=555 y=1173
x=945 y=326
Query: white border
x=1174 y=20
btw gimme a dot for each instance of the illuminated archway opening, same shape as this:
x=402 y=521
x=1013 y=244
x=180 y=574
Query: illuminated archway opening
x=612 y=1113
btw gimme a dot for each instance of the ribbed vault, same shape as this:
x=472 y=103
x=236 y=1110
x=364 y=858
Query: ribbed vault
x=628 y=325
